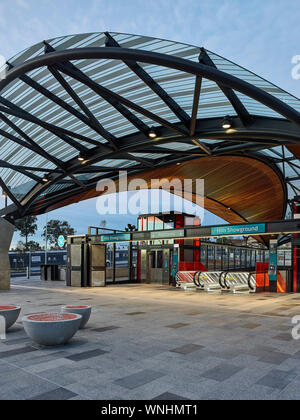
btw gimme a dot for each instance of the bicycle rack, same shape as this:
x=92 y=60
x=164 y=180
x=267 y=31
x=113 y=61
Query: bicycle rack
x=222 y=281
x=185 y=279
x=239 y=282
x=207 y=280
x=225 y=281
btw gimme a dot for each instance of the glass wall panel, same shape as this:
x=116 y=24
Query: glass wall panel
x=237 y=258
x=218 y=257
x=211 y=262
x=231 y=258
x=225 y=265
x=203 y=255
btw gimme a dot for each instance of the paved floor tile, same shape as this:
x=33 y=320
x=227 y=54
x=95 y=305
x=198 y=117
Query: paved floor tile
x=221 y=372
x=277 y=379
x=138 y=379
x=168 y=396
x=58 y=394
x=15 y=352
x=283 y=337
x=187 y=349
x=103 y=329
x=86 y=355
x=233 y=347
x=178 y=325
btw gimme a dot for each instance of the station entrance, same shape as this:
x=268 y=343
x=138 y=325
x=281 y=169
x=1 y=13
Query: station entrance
x=155 y=265
x=175 y=250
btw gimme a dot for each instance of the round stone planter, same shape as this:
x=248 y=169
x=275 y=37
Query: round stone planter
x=10 y=314
x=83 y=310
x=51 y=329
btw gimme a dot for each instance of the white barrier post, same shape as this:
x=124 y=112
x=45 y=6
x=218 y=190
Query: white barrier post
x=2 y=328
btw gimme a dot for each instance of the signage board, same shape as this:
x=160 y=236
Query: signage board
x=166 y=234
x=238 y=229
x=61 y=241
x=118 y=237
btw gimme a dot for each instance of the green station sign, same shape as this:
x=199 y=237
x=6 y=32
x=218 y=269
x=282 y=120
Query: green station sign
x=167 y=234
x=238 y=229
x=118 y=237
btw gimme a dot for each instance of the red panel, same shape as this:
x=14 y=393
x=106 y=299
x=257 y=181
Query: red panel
x=281 y=284
x=262 y=277
x=191 y=266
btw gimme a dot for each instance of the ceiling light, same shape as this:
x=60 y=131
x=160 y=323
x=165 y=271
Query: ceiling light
x=227 y=123
x=152 y=134
x=45 y=178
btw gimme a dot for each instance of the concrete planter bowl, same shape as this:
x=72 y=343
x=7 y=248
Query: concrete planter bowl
x=83 y=310
x=10 y=314
x=51 y=329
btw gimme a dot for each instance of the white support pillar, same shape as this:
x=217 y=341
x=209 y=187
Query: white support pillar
x=6 y=234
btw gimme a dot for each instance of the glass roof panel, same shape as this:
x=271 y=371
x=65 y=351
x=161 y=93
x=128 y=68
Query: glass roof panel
x=117 y=77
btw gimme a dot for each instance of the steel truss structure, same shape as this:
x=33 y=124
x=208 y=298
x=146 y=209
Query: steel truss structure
x=78 y=109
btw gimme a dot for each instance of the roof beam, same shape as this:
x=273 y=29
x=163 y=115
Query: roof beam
x=145 y=162
x=9 y=194
x=239 y=108
x=35 y=169
x=294 y=178
x=164 y=150
x=159 y=59
x=29 y=144
x=236 y=147
x=203 y=147
x=90 y=119
x=19 y=169
x=67 y=66
x=120 y=103
x=198 y=84
x=45 y=92
x=152 y=84
x=60 y=132
x=57 y=131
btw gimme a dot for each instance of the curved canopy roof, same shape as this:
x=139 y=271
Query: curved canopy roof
x=98 y=96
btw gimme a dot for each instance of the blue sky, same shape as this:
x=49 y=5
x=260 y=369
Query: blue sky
x=262 y=36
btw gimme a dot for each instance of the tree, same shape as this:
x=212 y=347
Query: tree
x=20 y=247
x=223 y=241
x=33 y=246
x=27 y=227
x=55 y=229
